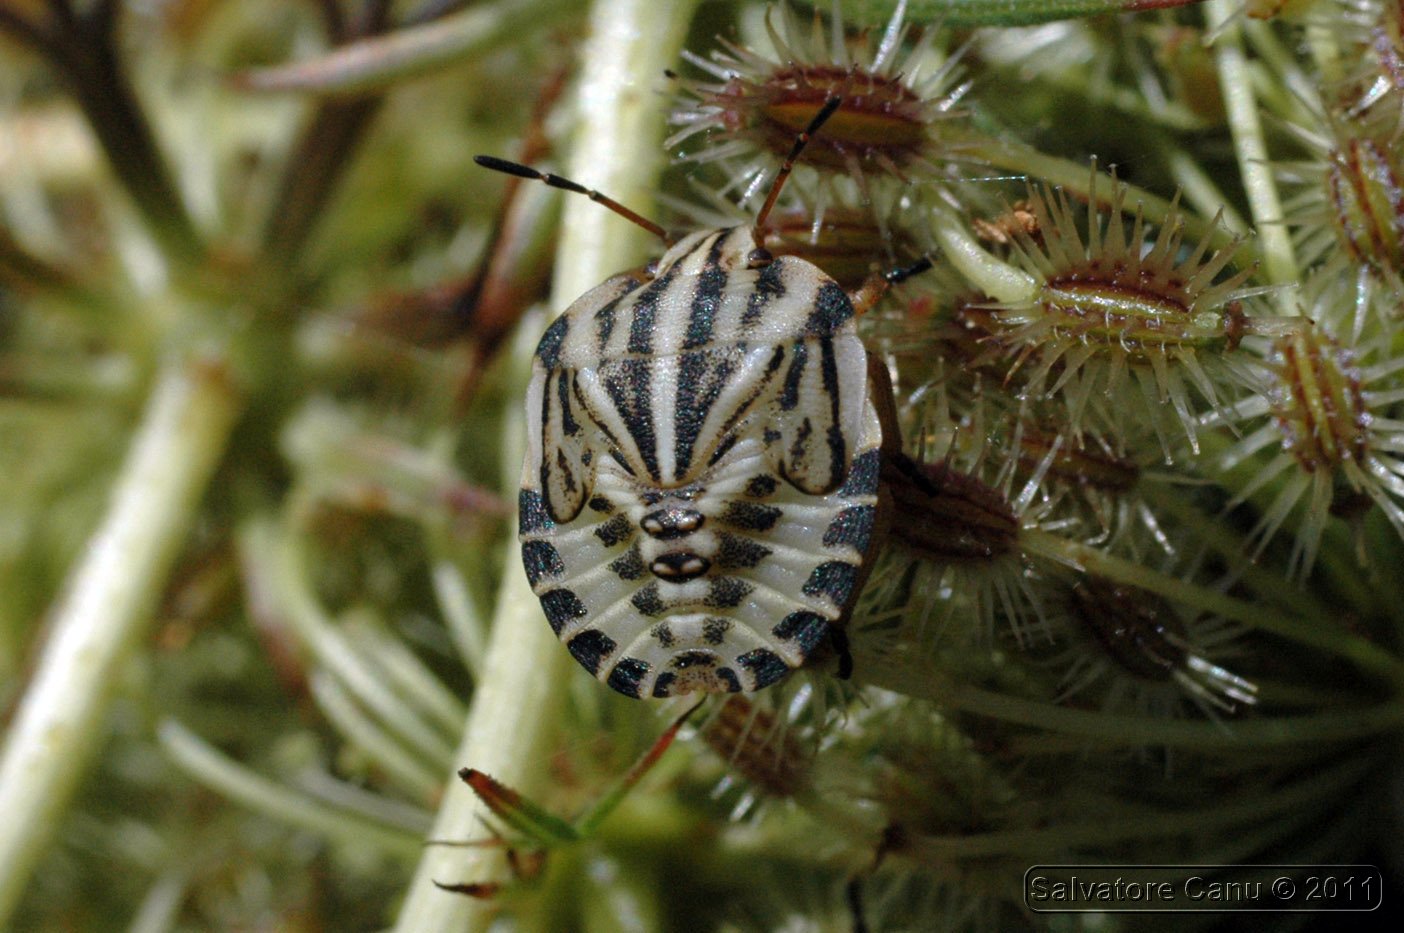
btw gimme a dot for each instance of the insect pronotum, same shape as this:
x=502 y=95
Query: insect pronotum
x=700 y=489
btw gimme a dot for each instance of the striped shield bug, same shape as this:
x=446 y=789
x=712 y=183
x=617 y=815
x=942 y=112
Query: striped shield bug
x=700 y=489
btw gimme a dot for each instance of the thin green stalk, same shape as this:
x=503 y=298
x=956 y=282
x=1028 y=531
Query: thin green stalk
x=1117 y=731
x=402 y=766
x=1200 y=190
x=517 y=701
x=321 y=157
x=1364 y=654
x=22 y=271
x=1075 y=178
x=1245 y=123
x=276 y=555
x=972 y=13
x=85 y=53
x=107 y=603
x=1236 y=551
x=1248 y=809
x=465 y=624
x=376 y=64
x=213 y=769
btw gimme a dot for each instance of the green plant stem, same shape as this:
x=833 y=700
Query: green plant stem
x=107 y=602
x=376 y=64
x=323 y=154
x=997 y=279
x=1076 y=177
x=22 y=271
x=1364 y=654
x=972 y=13
x=518 y=698
x=1248 y=809
x=1241 y=106
x=1118 y=731
x=213 y=769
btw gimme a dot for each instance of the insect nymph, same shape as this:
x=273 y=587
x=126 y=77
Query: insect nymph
x=700 y=488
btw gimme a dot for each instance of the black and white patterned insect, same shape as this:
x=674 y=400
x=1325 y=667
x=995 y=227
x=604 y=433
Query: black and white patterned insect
x=700 y=490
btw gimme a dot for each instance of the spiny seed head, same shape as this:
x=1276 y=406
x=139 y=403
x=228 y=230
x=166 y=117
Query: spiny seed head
x=951 y=517
x=757 y=103
x=1146 y=651
x=844 y=242
x=758 y=745
x=1123 y=301
x=1346 y=211
x=1137 y=630
x=1318 y=401
x=1372 y=32
x=1365 y=191
x=1090 y=465
x=1325 y=405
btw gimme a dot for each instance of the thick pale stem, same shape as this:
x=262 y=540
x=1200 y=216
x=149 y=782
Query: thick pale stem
x=517 y=701
x=997 y=279
x=107 y=603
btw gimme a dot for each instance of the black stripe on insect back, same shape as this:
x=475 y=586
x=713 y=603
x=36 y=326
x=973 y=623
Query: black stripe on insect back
x=549 y=349
x=706 y=301
x=834 y=579
x=701 y=378
x=862 y=475
x=541 y=560
x=852 y=527
x=769 y=285
x=531 y=509
x=806 y=629
x=590 y=647
x=765 y=666
x=789 y=395
x=838 y=448
x=630 y=387
x=831 y=308
x=561 y=607
x=627 y=675
x=645 y=312
x=569 y=425
x=744 y=408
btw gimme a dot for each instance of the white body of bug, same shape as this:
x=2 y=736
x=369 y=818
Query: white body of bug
x=700 y=486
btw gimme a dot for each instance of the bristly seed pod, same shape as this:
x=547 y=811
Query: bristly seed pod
x=1347 y=215
x=1141 y=636
x=754 y=743
x=891 y=102
x=842 y=241
x=1334 y=438
x=1366 y=194
x=948 y=516
x=1092 y=465
x=1122 y=303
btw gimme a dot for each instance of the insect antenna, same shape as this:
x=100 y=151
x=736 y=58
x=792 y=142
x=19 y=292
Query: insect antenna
x=565 y=184
x=788 y=165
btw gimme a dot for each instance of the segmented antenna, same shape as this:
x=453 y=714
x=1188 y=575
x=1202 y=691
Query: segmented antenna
x=565 y=184
x=788 y=165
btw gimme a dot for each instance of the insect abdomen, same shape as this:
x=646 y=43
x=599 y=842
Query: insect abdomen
x=700 y=484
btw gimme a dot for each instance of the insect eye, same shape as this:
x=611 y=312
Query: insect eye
x=758 y=257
